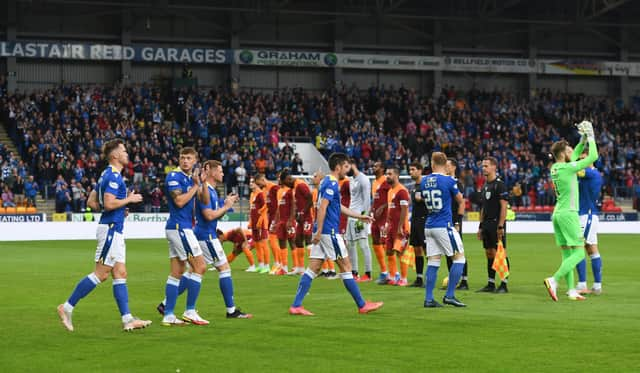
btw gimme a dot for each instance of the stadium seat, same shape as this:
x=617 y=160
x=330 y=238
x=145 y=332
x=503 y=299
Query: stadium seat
x=11 y=210
x=2 y=210
x=31 y=210
x=21 y=210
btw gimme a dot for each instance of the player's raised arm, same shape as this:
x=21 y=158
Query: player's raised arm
x=210 y=214
x=203 y=191
x=578 y=150
x=180 y=199
x=586 y=129
x=580 y=146
x=591 y=157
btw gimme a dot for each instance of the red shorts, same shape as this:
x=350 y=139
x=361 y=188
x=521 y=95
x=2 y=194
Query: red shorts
x=305 y=227
x=392 y=240
x=395 y=244
x=259 y=234
x=283 y=234
x=376 y=233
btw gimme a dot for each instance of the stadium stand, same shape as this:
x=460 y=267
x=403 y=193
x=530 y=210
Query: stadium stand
x=58 y=134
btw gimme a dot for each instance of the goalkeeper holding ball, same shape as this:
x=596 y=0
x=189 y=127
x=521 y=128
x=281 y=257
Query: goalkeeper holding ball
x=566 y=223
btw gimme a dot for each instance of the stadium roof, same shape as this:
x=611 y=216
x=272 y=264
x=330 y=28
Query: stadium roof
x=612 y=13
x=428 y=20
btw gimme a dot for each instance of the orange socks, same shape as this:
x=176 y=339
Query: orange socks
x=259 y=252
x=393 y=267
x=328 y=265
x=404 y=270
x=380 y=254
x=247 y=252
x=262 y=246
x=275 y=248
x=284 y=258
x=299 y=254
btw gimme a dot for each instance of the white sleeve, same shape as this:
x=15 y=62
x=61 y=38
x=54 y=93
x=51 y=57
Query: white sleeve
x=366 y=190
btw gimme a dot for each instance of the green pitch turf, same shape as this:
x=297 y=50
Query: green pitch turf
x=522 y=331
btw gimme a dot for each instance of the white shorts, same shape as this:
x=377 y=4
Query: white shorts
x=182 y=244
x=331 y=246
x=111 y=248
x=589 y=224
x=213 y=252
x=443 y=241
x=353 y=234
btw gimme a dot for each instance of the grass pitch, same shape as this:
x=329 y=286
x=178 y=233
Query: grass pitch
x=516 y=332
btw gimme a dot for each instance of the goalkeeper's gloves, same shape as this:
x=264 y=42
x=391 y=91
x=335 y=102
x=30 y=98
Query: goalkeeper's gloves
x=587 y=129
x=360 y=224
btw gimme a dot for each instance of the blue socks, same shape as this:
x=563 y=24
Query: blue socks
x=454 y=276
x=226 y=287
x=84 y=287
x=121 y=294
x=303 y=287
x=171 y=294
x=193 y=284
x=433 y=265
x=582 y=270
x=347 y=279
x=184 y=282
x=352 y=288
x=596 y=267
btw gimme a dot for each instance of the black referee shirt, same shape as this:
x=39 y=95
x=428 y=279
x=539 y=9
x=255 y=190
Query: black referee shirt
x=418 y=209
x=492 y=193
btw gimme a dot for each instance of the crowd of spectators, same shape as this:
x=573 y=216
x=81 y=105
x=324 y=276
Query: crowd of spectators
x=59 y=133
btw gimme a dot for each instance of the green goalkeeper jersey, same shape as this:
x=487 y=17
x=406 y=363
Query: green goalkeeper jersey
x=565 y=179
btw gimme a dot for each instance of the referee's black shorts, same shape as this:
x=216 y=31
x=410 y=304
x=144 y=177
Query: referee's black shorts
x=416 y=237
x=490 y=235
